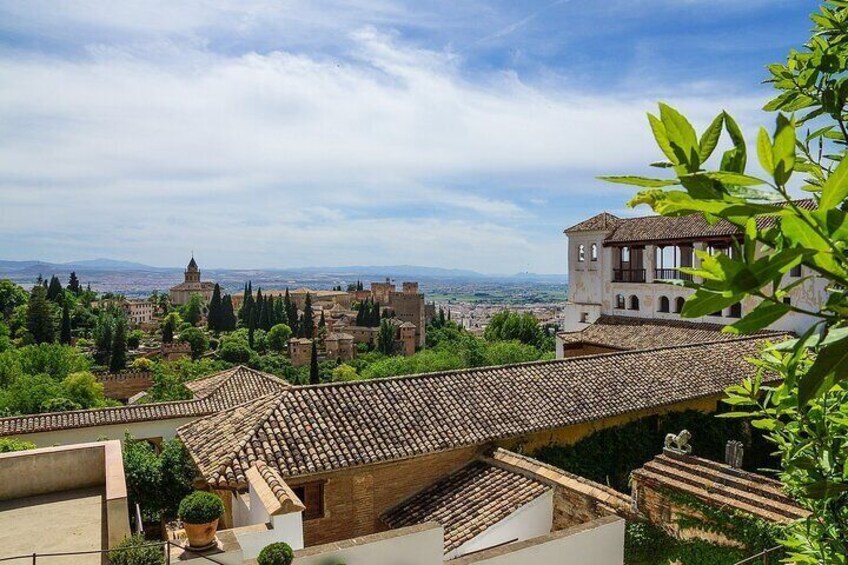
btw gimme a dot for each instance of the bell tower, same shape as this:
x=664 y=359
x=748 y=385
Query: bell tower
x=192 y=272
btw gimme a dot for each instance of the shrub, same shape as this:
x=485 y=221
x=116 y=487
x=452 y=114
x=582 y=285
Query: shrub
x=135 y=550
x=279 y=553
x=200 y=508
x=8 y=445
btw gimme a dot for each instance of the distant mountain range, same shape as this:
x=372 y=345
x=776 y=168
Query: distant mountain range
x=46 y=269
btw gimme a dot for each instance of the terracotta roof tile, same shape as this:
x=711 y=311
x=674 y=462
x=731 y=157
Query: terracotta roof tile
x=625 y=332
x=467 y=502
x=212 y=394
x=599 y=222
x=319 y=428
x=720 y=485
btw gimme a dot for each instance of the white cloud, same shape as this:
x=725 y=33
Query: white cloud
x=281 y=158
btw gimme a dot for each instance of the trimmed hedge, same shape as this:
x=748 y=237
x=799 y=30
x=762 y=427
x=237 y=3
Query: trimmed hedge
x=200 y=508
x=135 y=550
x=276 y=554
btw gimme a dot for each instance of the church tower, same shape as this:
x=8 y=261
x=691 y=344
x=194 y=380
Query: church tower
x=192 y=272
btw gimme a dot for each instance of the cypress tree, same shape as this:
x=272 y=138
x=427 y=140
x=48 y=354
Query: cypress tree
x=314 y=375
x=258 y=304
x=308 y=321
x=118 y=359
x=251 y=327
x=40 y=316
x=375 y=315
x=228 y=317
x=74 y=284
x=291 y=311
x=213 y=320
x=280 y=316
x=65 y=336
x=360 y=314
x=168 y=332
x=322 y=323
x=54 y=291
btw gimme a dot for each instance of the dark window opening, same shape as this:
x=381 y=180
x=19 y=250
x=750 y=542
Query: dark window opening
x=678 y=304
x=619 y=301
x=795 y=271
x=312 y=496
x=787 y=300
x=634 y=302
x=664 y=304
x=735 y=311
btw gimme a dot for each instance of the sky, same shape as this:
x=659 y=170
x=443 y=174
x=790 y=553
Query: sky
x=291 y=133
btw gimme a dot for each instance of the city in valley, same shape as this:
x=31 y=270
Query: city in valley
x=557 y=333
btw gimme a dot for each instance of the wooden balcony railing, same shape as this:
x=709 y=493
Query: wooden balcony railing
x=671 y=274
x=628 y=275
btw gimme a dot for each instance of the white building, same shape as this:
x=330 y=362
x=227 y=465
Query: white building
x=616 y=267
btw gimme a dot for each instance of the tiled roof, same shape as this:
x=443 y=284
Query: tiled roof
x=599 y=222
x=272 y=490
x=467 y=502
x=668 y=228
x=720 y=485
x=624 y=332
x=212 y=394
x=319 y=428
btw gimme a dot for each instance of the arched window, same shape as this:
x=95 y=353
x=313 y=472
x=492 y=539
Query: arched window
x=664 y=304
x=581 y=252
x=634 y=302
x=619 y=301
x=594 y=252
x=678 y=304
x=735 y=310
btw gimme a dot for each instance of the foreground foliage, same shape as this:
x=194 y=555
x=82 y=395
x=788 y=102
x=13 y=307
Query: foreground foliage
x=807 y=414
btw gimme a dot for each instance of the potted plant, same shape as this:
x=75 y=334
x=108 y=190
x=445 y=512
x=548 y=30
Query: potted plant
x=278 y=553
x=199 y=512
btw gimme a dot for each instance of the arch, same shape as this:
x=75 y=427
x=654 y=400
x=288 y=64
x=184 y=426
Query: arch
x=735 y=310
x=665 y=305
x=593 y=253
x=634 y=302
x=581 y=252
x=619 y=301
x=678 y=304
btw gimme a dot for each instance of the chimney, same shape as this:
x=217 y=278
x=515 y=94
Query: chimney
x=733 y=454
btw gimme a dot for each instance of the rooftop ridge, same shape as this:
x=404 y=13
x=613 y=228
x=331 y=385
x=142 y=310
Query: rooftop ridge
x=542 y=362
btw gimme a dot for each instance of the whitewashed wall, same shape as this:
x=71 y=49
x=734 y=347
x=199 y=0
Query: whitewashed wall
x=165 y=429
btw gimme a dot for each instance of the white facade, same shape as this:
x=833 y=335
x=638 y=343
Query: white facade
x=597 y=288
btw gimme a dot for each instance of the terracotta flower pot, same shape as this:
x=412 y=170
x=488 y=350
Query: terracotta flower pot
x=200 y=535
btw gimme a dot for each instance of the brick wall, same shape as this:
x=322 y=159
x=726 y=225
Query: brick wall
x=123 y=385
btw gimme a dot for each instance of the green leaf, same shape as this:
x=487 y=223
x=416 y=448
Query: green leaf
x=760 y=317
x=824 y=489
x=783 y=151
x=737 y=179
x=705 y=302
x=835 y=189
x=681 y=136
x=831 y=359
x=709 y=139
x=735 y=159
x=764 y=151
x=640 y=181
x=662 y=138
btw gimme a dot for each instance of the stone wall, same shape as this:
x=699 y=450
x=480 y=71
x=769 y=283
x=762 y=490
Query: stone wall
x=121 y=386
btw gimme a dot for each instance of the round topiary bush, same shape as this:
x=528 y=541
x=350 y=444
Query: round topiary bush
x=135 y=550
x=276 y=554
x=200 y=508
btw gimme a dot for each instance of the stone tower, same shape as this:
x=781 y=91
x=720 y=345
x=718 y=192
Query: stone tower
x=192 y=272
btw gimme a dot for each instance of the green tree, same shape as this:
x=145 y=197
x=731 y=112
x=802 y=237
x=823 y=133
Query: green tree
x=278 y=338
x=54 y=290
x=228 y=317
x=10 y=444
x=197 y=339
x=118 y=356
x=170 y=325
x=84 y=389
x=314 y=372
x=192 y=311
x=805 y=414
x=308 y=318
x=235 y=350
x=40 y=316
x=386 y=338
x=11 y=297
x=65 y=334
x=344 y=373
x=507 y=325
x=214 y=321
x=74 y=284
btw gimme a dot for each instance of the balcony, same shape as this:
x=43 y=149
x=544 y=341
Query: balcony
x=628 y=275
x=671 y=274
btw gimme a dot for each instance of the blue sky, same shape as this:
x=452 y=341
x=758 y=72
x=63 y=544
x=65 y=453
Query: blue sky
x=300 y=133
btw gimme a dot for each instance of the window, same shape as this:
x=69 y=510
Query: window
x=634 y=302
x=664 y=304
x=619 y=301
x=795 y=271
x=312 y=496
x=787 y=300
x=581 y=252
x=594 y=252
x=625 y=254
x=584 y=317
x=735 y=311
x=678 y=304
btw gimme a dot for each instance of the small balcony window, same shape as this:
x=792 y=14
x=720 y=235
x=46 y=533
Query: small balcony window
x=594 y=252
x=581 y=252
